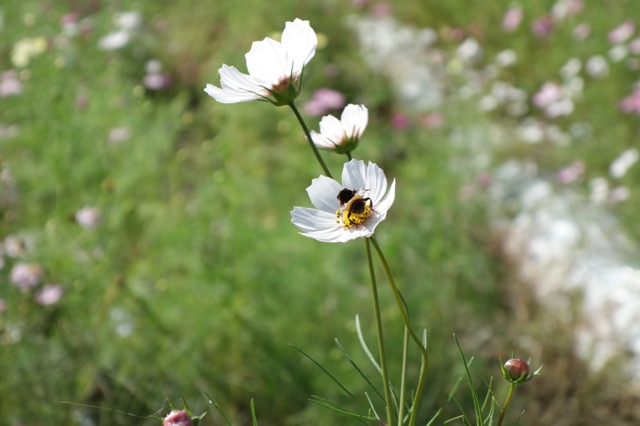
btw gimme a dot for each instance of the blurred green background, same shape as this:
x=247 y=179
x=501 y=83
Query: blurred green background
x=194 y=280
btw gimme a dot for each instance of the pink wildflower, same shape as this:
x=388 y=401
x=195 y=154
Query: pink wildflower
x=323 y=101
x=572 y=172
x=634 y=46
x=10 y=84
x=622 y=32
x=512 y=19
x=49 y=295
x=581 y=31
x=88 y=217
x=400 y=121
x=542 y=26
x=631 y=103
x=26 y=275
x=547 y=94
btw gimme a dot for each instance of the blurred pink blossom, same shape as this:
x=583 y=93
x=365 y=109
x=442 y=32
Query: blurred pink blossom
x=382 y=10
x=432 y=120
x=69 y=18
x=572 y=172
x=622 y=32
x=69 y=23
x=581 y=31
x=554 y=100
x=155 y=78
x=632 y=102
x=323 y=101
x=542 y=26
x=634 y=46
x=575 y=6
x=549 y=93
x=512 y=19
x=26 y=275
x=88 y=217
x=156 y=81
x=619 y=194
x=49 y=295
x=483 y=179
x=400 y=121
x=10 y=84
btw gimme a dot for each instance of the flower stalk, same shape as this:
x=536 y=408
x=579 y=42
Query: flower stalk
x=381 y=349
x=507 y=401
x=307 y=133
x=405 y=317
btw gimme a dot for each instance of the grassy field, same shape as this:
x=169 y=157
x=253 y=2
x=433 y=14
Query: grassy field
x=163 y=219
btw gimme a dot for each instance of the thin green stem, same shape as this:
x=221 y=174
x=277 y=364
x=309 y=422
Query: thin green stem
x=403 y=377
x=325 y=169
x=383 y=357
x=506 y=403
x=405 y=317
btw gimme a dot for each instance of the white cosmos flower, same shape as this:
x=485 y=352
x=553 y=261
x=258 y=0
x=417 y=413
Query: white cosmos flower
x=274 y=68
x=342 y=135
x=325 y=222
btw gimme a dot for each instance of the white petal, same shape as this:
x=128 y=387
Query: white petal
x=331 y=128
x=353 y=175
x=372 y=222
x=321 y=141
x=312 y=220
x=385 y=204
x=236 y=87
x=299 y=39
x=354 y=120
x=268 y=62
x=375 y=182
x=227 y=97
x=339 y=234
x=317 y=224
x=323 y=193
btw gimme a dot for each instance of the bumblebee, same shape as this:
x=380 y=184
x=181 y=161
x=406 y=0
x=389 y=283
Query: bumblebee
x=354 y=209
x=345 y=195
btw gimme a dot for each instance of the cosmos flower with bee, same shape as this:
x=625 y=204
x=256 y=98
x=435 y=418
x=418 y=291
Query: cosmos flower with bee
x=348 y=210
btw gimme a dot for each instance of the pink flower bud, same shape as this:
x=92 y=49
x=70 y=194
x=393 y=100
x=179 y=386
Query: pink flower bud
x=177 y=418
x=516 y=370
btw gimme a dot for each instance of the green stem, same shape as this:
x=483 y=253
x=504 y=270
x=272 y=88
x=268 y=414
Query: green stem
x=403 y=376
x=383 y=357
x=405 y=317
x=325 y=169
x=506 y=403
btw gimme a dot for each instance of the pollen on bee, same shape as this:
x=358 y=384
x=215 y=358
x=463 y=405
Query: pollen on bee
x=354 y=209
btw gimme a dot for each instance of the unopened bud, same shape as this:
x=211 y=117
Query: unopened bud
x=177 y=418
x=516 y=370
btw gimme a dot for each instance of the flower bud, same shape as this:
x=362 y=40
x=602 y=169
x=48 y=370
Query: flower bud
x=177 y=418
x=516 y=370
